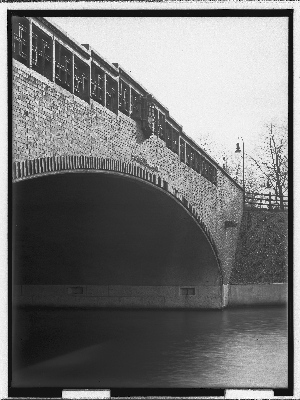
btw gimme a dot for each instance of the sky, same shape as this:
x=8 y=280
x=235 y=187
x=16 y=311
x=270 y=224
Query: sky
x=222 y=77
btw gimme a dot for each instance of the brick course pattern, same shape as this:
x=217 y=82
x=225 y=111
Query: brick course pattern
x=262 y=251
x=48 y=121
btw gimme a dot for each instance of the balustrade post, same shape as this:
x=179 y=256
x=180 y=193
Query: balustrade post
x=30 y=44
x=44 y=164
x=14 y=170
x=29 y=167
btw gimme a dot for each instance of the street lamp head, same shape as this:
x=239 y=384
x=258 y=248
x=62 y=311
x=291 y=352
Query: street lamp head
x=238 y=149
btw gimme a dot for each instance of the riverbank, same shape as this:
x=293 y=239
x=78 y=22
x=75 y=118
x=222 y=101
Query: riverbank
x=156 y=297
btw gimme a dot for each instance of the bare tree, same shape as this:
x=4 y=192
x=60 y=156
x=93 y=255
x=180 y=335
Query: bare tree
x=265 y=167
x=271 y=161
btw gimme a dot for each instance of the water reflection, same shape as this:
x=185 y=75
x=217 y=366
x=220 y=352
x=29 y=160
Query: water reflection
x=231 y=348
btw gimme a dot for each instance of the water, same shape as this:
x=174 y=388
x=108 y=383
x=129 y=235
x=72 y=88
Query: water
x=235 y=348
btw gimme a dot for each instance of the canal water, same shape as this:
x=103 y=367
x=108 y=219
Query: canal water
x=89 y=348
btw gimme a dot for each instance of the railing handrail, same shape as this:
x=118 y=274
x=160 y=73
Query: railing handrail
x=266 y=199
x=251 y=194
x=272 y=201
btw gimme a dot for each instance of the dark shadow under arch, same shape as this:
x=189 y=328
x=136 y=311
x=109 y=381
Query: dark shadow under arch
x=95 y=228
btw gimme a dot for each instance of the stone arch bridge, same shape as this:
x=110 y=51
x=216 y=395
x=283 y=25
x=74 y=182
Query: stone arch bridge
x=113 y=204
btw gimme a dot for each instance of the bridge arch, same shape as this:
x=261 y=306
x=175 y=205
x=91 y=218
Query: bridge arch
x=62 y=164
x=126 y=171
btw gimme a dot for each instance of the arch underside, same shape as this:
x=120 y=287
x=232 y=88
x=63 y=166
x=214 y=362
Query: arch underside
x=60 y=164
x=106 y=229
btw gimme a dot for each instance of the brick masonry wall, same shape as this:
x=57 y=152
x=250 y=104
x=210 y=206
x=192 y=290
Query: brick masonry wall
x=262 y=252
x=48 y=120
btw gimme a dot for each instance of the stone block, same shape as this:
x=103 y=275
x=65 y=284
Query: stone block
x=193 y=302
x=87 y=301
x=54 y=301
x=128 y=290
x=96 y=290
x=276 y=293
x=225 y=295
x=45 y=290
x=131 y=302
x=155 y=302
x=75 y=290
x=108 y=301
x=205 y=297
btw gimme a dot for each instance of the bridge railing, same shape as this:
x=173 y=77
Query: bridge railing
x=262 y=201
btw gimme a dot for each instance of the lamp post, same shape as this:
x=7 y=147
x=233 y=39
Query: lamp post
x=238 y=150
